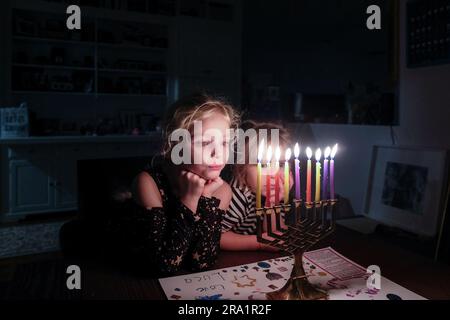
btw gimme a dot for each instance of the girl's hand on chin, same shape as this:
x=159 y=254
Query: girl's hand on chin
x=211 y=187
x=191 y=189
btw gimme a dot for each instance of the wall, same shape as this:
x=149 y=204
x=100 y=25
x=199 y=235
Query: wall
x=424 y=109
x=316 y=47
x=424 y=101
x=307 y=46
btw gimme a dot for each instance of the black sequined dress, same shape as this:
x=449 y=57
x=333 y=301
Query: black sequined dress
x=165 y=240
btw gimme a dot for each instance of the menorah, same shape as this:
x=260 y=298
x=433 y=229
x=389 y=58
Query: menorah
x=294 y=228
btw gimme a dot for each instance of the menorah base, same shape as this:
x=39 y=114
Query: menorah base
x=296 y=231
x=297 y=287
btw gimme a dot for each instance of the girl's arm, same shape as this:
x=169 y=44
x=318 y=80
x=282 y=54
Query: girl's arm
x=231 y=241
x=150 y=233
x=158 y=241
x=238 y=242
x=208 y=229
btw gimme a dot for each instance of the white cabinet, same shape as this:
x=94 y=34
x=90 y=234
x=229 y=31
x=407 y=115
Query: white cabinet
x=42 y=183
x=31 y=186
x=42 y=178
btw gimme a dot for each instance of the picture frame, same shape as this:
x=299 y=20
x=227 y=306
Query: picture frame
x=14 y=122
x=406 y=188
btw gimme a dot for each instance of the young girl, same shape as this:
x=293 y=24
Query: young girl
x=239 y=223
x=174 y=218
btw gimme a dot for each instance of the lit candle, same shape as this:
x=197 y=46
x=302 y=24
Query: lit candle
x=287 y=157
x=308 y=175
x=297 y=171
x=277 y=175
x=258 y=175
x=268 y=176
x=325 y=173
x=318 y=167
x=333 y=154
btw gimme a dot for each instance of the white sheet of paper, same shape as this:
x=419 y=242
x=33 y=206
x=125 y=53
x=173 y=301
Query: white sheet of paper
x=327 y=269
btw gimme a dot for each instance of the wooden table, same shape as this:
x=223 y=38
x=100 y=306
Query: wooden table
x=44 y=277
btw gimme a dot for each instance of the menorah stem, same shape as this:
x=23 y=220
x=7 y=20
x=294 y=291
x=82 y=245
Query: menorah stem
x=298 y=286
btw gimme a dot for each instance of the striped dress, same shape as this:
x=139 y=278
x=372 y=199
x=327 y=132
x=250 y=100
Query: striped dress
x=241 y=216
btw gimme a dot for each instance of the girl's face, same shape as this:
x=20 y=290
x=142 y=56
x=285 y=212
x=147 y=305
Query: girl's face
x=210 y=147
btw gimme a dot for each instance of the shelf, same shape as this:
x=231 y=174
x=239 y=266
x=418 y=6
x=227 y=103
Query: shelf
x=89 y=12
x=89 y=94
x=132 y=95
x=133 y=71
x=50 y=40
x=208 y=11
x=49 y=66
x=52 y=92
x=89 y=43
x=129 y=46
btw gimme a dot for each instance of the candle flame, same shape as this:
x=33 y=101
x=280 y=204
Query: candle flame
x=261 y=150
x=334 y=151
x=269 y=154
x=296 y=150
x=318 y=154
x=309 y=153
x=277 y=154
x=327 y=152
x=288 y=154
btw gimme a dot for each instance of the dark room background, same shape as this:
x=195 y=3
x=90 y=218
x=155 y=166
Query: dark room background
x=312 y=65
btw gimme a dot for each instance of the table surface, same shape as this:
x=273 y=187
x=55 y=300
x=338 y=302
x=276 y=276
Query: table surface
x=45 y=278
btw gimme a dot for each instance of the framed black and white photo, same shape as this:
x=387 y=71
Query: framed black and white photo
x=406 y=188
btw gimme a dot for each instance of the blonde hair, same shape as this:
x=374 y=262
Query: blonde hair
x=284 y=140
x=183 y=113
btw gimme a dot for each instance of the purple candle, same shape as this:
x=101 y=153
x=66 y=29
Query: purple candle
x=325 y=173
x=297 y=172
x=333 y=154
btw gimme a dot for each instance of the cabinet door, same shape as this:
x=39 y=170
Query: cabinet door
x=31 y=186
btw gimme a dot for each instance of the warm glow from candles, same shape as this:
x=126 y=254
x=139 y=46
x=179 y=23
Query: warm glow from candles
x=288 y=154
x=277 y=154
x=334 y=151
x=269 y=154
x=296 y=151
x=327 y=152
x=318 y=154
x=261 y=151
x=309 y=153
